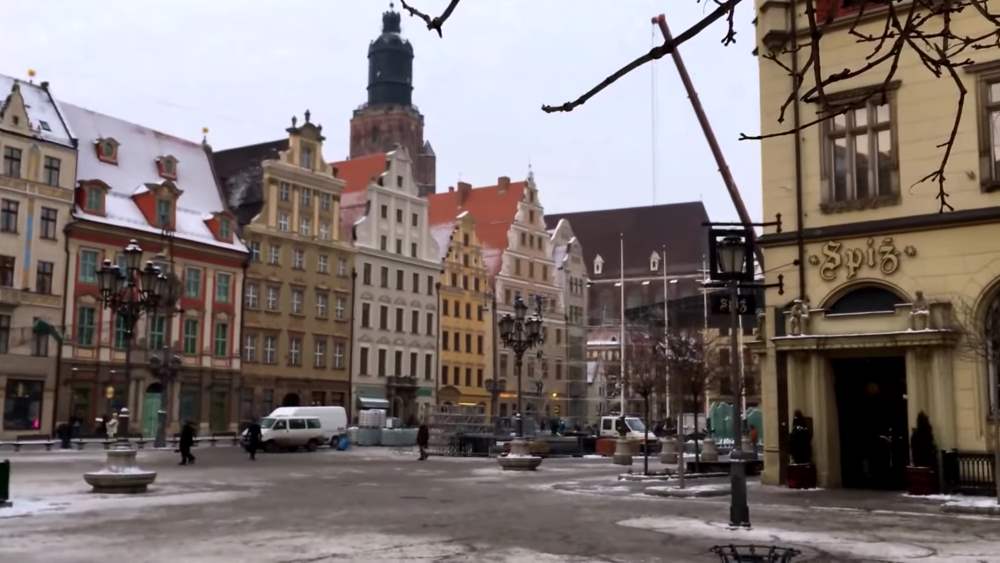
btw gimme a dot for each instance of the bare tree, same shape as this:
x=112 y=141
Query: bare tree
x=645 y=367
x=891 y=28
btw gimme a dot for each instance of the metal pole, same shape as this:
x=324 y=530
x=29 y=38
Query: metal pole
x=621 y=339
x=666 y=338
x=518 y=357
x=739 y=512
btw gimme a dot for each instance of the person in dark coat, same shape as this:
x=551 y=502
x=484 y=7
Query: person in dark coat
x=187 y=440
x=423 y=437
x=253 y=439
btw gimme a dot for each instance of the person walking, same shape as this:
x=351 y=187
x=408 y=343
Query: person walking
x=423 y=437
x=253 y=439
x=187 y=440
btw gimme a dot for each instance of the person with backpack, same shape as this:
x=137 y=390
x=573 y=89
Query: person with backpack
x=253 y=439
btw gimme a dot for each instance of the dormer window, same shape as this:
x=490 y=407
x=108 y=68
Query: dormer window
x=598 y=265
x=224 y=231
x=167 y=167
x=164 y=212
x=91 y=197
x=221 y=225
x=107 y=150
x=654 y=262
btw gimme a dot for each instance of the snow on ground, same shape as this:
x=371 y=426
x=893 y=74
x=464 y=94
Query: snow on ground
x=959 y=500
x=31 y=505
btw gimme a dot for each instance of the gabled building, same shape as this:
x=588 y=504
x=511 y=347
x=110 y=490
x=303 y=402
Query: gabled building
x=571 y=277
x=136 y=183
x=297 y=295
x=37 y=162
x=397 y=268
x=467 y=337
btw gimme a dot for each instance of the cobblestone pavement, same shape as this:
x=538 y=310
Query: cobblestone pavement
x=377 y=504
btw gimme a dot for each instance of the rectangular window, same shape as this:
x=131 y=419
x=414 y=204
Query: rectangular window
x=192 y=282
x=479 y=313
x=273 y=296
x=298 y=259
x=340 y=308
x=306 y=156
x=413 y=365
x=323 y=264
x=270 y=349
x=503 y=365
x=274 y=257
x=95 y=200
x=8 y=216
x=517 y=266
x=39 y=343
x=468 y=311
x=319 y=352
x=284 y=191
x=254 y=246
x=399 y=246
x=12 y=162
x=251 y=298
x=479 y=378
x=414 y=220
x=991 y=118
x=479 y=344
x=468 y=343
x=416 y=283
x=430 y=285
x=399 y=280
x=294 y=350
x=250 y=348
x=224 y=228
x=444 y=340
x=366 y=315
x=283 y=222
x=305 y=227
x=366 y=275
x=324 y=231
x=43 y=280
x=383 y=243
x=5 y=332
x=221 y=339
x=428 y=371
x=297 y=299
x=430 y=324
x=364 y=361
x=468 y=377
x=305 y=198
x=384 y=282
x=52 y=166
x=444 y=375
x=859 y=159
x=458 y=342
x=415 y=322
x=164 y=212
x=398 y=365
x=444 y=307
x=399 y=215
x=381 y=362
x=222 y=287
x=49 y=221
x=399 y=319
x=325 y=201
x=23 y=405
x=321 y=304
x=341 y=267
x=383 y=317
x=190 y=337
x=559 y=369
x=413 y=249
x=384 y=211
x=121 y=332
x=157 y=332
x=338 y=354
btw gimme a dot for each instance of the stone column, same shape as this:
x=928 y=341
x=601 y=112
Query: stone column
x=944 y=410
x=826 y=431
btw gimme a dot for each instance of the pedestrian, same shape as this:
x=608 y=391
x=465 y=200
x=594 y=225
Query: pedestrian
x=423 y=437
x=187 y=440
x=112 y=426
x=100 y=427
x=753 y=437
x=253 y=439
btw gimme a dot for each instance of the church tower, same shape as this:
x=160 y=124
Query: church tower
x=389 y=117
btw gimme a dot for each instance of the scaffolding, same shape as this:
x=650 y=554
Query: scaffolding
x=449 y=424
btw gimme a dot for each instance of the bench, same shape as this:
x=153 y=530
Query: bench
x=34 y=439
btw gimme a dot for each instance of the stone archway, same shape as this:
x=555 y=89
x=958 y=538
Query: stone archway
x=291 y=400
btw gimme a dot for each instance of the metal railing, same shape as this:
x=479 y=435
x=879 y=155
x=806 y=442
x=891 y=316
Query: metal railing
x=968 y=472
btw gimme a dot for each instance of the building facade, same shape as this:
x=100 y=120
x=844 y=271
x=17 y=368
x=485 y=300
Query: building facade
x=466 y=343
x=396 y=296
x=891 y=310
x=296 y=334
x=38 y=157
x=571 y=278
x=133 y=183
x=389 y=118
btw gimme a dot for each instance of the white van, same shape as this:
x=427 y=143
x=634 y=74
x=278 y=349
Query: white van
x=291 y=432
x=636 y=429
x=332 y=419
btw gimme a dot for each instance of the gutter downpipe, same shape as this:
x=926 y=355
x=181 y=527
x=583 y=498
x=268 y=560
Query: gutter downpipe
x=796 y=123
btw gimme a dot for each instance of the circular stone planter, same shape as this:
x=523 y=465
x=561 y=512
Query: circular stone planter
x=623 y=452
x=519 y=458
x=121 y=474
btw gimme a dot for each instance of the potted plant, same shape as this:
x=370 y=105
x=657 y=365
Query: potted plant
x=921 y=474
x=802 y=471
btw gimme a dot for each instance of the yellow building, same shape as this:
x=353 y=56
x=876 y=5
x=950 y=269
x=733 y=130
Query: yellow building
x=887 y=310
x=466 y=343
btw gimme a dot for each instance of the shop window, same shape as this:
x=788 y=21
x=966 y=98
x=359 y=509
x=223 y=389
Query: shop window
x=23 y=405
x=867 y=299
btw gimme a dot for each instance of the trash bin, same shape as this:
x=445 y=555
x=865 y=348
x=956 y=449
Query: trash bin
x=755 y=553
x=4 y=482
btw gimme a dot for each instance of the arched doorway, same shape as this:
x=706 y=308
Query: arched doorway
x=152 y=402
x=291 y=400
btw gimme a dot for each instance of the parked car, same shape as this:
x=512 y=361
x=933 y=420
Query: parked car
x=332 y=419
x=291 y=432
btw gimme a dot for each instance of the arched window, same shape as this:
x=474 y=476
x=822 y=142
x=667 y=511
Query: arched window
x=598 y=265
x=865 y=299
x=991 y=332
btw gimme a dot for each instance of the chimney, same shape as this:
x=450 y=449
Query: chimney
x=464 y=189
x=451 y=189
x=503 y=182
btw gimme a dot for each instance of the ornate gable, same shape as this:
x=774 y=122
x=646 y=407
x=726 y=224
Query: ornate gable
x=13 y=113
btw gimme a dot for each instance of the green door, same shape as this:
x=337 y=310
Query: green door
x=151 y=403
x=218 y=417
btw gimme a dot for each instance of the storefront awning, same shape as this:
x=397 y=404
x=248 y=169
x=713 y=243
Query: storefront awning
x=373 y=403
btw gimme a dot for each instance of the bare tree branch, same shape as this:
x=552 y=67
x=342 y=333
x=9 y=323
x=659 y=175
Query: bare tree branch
x=432 y=23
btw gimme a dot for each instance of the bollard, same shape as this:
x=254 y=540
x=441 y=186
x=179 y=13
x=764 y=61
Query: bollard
x=5 y=483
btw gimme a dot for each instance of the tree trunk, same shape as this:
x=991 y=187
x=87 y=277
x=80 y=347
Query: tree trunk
x=645 y=444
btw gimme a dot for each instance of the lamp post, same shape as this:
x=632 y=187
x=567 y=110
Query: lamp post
x=520 y=333
x=731 y=259
x=130 y=292
x=495 y=387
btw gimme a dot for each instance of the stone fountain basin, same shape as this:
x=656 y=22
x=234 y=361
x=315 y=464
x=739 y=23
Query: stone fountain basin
x=121 y=474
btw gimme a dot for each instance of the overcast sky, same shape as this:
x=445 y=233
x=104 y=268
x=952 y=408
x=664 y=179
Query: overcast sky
x=243 y=68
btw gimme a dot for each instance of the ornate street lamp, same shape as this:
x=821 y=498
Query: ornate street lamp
x=129 y=294
x=520 y=333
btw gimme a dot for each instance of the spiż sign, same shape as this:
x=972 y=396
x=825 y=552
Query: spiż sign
x=883 y=256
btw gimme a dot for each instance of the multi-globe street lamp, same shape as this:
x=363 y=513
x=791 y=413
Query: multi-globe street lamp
x=520 y=333
x=130 y=292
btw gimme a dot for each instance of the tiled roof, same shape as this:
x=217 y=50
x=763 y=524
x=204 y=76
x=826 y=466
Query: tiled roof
x=646 y=229
x=357 y=173
x=137 y=152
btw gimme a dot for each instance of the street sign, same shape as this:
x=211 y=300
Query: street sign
x=745 y=304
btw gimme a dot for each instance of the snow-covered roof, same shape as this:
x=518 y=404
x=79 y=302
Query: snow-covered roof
x=138 y=149
x=43 y=111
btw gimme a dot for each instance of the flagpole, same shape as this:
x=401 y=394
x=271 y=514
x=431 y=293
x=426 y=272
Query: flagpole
x=621 y=339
